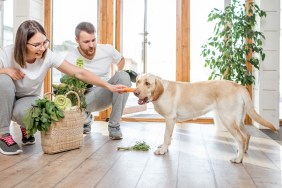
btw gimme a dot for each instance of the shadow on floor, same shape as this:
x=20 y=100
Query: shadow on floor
x=271 y=134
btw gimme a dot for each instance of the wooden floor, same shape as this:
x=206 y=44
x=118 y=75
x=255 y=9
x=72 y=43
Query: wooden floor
x=198 y=157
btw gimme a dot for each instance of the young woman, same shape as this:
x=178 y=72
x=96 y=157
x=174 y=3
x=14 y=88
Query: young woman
x=23 y=67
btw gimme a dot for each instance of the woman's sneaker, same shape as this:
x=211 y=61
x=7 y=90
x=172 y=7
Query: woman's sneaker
x=27 y=140
x=8 y=146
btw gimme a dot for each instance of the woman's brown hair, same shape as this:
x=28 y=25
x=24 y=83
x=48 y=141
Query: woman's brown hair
x=25 y=31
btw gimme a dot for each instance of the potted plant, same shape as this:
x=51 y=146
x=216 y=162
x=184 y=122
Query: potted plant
x=235 y=42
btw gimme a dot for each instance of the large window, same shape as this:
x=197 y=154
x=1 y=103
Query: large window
x=201 y=30
x=149 y=37
x=6 y=22
x=280 y=101
x=161 y=25
x=65 y=22
x=149 y=42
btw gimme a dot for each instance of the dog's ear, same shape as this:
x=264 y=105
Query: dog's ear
x=159 y=89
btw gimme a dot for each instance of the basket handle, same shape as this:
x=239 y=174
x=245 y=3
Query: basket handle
x=78 y=99
x=49 y=93
x=77 y=96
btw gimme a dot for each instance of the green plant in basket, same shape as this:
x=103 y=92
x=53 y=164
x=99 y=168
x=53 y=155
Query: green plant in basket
x=40 y=116
x=70 y=83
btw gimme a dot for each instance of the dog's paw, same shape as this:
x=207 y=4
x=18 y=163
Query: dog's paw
x=161 y=151
x=236 y=160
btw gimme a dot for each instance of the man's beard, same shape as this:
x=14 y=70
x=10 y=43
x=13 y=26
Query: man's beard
x=89 y=51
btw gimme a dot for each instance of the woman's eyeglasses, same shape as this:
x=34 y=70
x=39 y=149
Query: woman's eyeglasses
x=39 y=45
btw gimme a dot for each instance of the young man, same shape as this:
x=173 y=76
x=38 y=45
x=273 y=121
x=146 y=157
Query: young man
x=98 y=58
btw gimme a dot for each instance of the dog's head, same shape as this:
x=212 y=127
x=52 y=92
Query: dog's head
x=148 y=88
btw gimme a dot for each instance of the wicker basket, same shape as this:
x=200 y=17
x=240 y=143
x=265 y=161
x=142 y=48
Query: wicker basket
x=66 y=134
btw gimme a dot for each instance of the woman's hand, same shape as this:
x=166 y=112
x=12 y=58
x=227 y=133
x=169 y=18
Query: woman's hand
x=14 y=73
x=117 y=88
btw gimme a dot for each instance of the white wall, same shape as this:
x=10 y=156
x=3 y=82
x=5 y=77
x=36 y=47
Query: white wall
x=266 y=89
x=28 y=10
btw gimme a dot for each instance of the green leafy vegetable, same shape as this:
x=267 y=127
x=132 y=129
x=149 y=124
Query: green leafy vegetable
x=139 y=146
x=73 y=81
x=40 y=116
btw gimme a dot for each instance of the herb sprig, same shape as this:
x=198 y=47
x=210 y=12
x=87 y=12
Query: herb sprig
x=139 y=146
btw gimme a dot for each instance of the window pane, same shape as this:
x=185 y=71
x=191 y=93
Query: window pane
x=133 y=38
x=201 y=30
x=149 y=37
x=162 y=38
x=65 y=22
x=280 y=104
x=157 y=29
x=6 y=22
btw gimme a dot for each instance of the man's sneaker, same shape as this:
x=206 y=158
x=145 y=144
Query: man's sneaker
x=27 y=140
x=115 y=133
x=86 y=128
x=8 y=146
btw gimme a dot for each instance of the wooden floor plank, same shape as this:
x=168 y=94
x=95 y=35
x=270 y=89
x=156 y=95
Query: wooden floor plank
x=198 y=157
x=161 y=171
x=193 y=159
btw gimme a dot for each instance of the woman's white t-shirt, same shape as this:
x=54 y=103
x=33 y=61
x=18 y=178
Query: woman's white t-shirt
x=35 y=73
x=105 y=56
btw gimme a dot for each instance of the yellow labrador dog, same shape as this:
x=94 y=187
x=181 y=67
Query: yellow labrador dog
x=179 y=101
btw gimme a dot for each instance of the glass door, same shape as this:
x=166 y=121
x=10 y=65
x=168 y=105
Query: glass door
x=134 y=44
x=134 y=34
x=161 y=39
x=149 y=44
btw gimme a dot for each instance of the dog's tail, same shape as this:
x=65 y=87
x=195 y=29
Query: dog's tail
x=250 y=110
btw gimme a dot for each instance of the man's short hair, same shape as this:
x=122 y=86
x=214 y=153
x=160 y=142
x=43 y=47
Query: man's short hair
x=84 y=26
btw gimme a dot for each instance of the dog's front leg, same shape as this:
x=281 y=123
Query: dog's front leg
x=167 y=137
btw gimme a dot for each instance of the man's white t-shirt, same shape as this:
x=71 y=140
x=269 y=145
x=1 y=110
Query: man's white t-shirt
x=35 y=73
x=105 y=55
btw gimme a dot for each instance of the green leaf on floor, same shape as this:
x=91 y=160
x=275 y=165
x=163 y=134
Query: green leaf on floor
x=139 y=146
